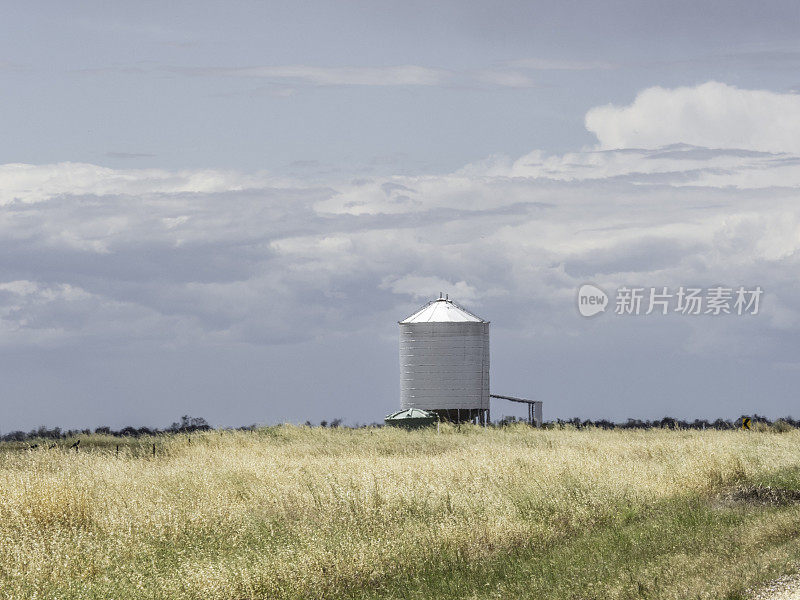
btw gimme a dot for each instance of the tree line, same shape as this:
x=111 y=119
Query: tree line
x=189 y=424
x=666 y=423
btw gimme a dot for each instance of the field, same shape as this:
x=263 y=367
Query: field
x=300 y=512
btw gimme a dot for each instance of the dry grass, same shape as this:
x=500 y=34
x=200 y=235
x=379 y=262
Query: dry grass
x=301 y=513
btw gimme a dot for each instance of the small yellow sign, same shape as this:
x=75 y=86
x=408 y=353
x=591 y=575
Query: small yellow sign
x=745 y=423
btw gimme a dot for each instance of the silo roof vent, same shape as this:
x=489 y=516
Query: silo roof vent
x=442 y=310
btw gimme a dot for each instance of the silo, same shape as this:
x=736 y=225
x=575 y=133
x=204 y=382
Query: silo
x=444 y=361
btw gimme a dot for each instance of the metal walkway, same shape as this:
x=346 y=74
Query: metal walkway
x=534 y=408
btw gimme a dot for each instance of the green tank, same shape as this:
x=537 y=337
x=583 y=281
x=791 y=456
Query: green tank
x=411 y=418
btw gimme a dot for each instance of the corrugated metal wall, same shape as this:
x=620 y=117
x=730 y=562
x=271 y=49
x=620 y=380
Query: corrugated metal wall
x=444 y=365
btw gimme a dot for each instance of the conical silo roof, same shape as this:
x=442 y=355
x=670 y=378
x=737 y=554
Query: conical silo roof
x=442 y=310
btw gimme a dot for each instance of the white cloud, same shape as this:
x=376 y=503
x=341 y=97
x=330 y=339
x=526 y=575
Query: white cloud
x=547 y=64
x=426 y=288
x=713 y=115
x=280 y=78
x=397 y=75
x=504 y=78
x=506 y=75
x=679 y=165
x=36 y=183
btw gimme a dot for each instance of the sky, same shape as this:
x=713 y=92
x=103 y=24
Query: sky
x=223 y=209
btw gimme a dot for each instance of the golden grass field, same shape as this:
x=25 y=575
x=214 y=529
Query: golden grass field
x=299 y=512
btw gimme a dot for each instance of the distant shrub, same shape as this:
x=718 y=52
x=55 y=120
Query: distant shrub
x=43 y=432
x=15 y=436
x=189 y=424
x=782 y=426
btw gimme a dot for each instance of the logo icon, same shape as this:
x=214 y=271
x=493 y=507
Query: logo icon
x=591 y=300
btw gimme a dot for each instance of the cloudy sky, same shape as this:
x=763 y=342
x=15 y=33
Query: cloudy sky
x=222 y=209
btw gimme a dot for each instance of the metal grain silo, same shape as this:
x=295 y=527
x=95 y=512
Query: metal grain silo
x=444 y=362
